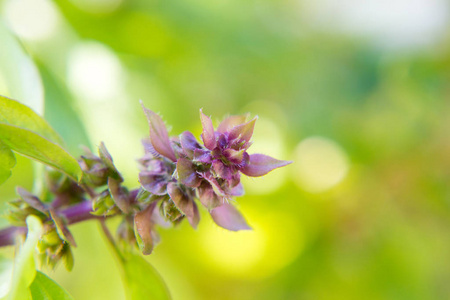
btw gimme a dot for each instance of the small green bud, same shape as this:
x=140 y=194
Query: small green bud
x=169 y=211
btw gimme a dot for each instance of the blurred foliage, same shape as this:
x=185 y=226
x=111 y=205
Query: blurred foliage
x=378 y=232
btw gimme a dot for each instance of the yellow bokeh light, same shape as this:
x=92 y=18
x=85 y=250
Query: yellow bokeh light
x=320 y=164
x=275 y=241
x=237 y=251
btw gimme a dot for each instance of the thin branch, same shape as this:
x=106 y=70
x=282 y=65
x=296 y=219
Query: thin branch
x=110 y=240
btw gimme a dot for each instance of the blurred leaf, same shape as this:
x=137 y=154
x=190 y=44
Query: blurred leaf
x=44 y=288
x=24 y=267
x=19 y=73
x=36 y=147
x=6 y=269
x=7 y=162
x=142 y=281
x=60 y=112
x=15 y=113
x=4 y=174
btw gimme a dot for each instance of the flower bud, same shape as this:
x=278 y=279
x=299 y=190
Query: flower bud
x=97 y=169
x=104 y=205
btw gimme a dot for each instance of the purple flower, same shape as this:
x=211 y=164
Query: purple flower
x=182 y=169
x=214 y=169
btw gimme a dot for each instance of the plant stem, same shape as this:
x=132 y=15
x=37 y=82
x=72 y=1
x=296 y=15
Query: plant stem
x=74 y=214
x=8 y=235
x=79 y=212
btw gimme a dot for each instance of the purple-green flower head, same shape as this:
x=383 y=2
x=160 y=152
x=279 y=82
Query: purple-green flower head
x=229 y=144
x=158 y=178
x=182 y=169
x=215 y=168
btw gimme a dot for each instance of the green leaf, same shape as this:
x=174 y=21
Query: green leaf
x=44 y=288
x=38 y=148
x=15 y=113
x=24 y=267
x=7 y=162
x=142 y=282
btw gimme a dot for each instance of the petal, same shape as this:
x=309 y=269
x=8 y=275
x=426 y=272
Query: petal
x=61 y=228
x=228 y=217
x=176 y=146
x=244 y=131
x=231 y=122
x=143 y=226
x=221 y=170
x=158 y=134
x=261 y=164
x=187 y=174
x=202 y=155
x=32 y=200
x=156 y=167
x=149 y=149
x=214 y=184
x=119 y=195
x=222 y=141
x=154 y=183
x=189 y=144
x=238 y=190
x=207 y=197
x=105 y=156
x=234 y=156
x=184 y=203
x=235 y=179
x=108 y=161
x=208 y=135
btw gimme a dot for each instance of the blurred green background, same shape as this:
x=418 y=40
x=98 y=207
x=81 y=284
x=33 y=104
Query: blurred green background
x=355 y=92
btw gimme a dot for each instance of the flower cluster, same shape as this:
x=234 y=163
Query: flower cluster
x=178 y=170
x=57 y=241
